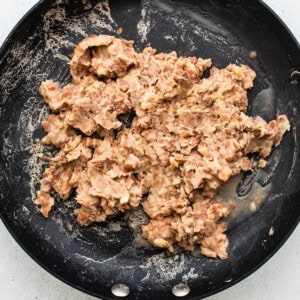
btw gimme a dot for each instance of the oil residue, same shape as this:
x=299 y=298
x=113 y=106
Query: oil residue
x=263 y=104
x=245 y=205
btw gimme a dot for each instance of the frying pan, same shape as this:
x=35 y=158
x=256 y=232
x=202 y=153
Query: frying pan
x=95 y=258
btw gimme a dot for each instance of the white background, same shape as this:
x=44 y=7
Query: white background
x=21 y=278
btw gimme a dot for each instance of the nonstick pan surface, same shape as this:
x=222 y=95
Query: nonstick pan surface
x=95 y=258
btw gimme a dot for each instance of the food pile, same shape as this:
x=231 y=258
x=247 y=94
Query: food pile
x=189 y=136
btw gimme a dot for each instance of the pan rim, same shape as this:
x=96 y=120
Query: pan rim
x=3 y=48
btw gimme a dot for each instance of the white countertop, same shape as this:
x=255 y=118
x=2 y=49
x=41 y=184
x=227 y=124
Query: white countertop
x=22 y=278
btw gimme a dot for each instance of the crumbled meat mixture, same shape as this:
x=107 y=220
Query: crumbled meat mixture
x=189 y=135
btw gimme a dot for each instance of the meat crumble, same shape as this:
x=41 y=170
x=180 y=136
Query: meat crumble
x=189 y=136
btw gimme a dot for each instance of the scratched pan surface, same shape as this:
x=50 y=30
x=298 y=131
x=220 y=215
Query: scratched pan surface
x=94 y=258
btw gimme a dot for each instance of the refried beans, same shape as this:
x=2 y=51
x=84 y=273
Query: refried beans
x=189 y=136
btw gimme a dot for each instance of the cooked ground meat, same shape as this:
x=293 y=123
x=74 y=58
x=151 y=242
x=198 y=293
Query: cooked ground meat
x=189 y=136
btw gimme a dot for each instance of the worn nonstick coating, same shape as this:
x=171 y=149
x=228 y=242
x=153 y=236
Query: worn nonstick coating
x=96 y=257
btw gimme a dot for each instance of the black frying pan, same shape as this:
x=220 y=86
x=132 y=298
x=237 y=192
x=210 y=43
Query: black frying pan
x=95 y=258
